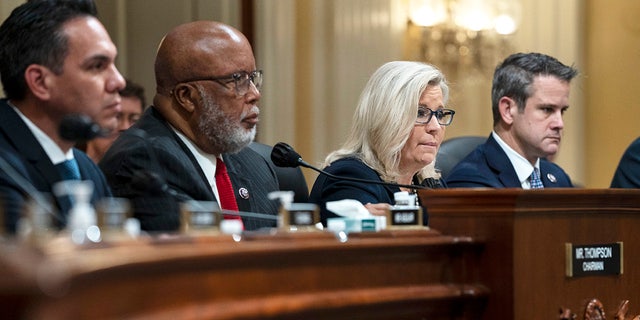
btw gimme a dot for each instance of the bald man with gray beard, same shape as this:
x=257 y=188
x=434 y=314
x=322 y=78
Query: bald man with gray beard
x=204 y=115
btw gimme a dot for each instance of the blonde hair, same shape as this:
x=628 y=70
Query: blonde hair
x=386 y=114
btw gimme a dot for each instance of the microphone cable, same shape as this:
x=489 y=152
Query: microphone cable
x=283 y=155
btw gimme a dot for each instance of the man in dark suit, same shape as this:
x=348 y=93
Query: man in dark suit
x=529 y=96
x=627 y=174
x=204 y=115
x=57 y=60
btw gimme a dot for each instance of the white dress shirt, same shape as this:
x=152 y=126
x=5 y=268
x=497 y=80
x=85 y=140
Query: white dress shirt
x=523 y=167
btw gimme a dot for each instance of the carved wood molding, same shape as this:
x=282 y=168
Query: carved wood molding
x=594 y=310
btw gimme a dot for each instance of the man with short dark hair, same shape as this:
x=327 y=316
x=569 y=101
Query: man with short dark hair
x=529 y=97
x=57 y=60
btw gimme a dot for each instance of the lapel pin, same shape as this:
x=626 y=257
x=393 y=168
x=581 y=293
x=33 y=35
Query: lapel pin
x=244 y=193
x=551 y=177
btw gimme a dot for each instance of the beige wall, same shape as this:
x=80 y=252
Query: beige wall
x=336 y=45
x=137 y=26
x=612 y=86
x=559 y=35
x=317 y=55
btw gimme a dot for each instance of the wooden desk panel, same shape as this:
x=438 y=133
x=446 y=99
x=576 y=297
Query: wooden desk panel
x=386 y=275
x=525 y=232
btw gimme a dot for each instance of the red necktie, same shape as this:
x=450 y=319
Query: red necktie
x=225 y=190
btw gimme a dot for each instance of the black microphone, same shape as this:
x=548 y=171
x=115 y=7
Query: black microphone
x=79 y=128
x=283 y=155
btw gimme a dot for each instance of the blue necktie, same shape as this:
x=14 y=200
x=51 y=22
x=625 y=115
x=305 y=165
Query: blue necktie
x=69 y=169
x=535 y=181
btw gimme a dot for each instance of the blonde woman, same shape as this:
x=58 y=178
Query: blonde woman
x=397 y=129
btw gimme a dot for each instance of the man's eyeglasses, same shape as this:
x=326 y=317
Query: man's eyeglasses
x=443 y=116
x=242 y=81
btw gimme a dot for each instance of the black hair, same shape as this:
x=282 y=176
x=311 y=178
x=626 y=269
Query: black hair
x=33 y=34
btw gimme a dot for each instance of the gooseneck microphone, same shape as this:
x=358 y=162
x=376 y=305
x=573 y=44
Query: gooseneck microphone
x=79 y=128
x=283 y=155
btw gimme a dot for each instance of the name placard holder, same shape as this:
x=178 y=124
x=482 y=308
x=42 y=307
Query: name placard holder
x=594 y=259
x=300 y=216
x=404 y=217
x=199 y=217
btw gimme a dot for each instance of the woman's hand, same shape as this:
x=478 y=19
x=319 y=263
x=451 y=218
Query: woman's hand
x=378 y=209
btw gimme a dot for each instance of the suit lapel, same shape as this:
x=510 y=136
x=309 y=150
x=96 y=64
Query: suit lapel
x=43 y=174
x=499 y=162
x=193 y=181
x=550 y=176
x=242 y=185
x=26 y=144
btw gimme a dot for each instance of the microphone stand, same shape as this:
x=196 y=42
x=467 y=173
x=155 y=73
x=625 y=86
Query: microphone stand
x=384 y=183
x=283 y=155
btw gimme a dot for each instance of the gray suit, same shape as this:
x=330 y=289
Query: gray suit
x=152 y=146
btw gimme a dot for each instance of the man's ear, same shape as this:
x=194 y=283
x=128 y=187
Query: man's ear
x=508 y=108
x=38 y=79
x=185 y=95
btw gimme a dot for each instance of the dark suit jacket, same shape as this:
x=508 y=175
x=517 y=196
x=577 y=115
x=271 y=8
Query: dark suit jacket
x=20 y=149
x=488 y=166
x=327 y=189
x=151 y=146
x=627 y=174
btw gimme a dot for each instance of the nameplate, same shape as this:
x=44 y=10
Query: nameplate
x=300 y=215
x=405 y=217
x=357 y=224
x=199 y=216
x=594 y=259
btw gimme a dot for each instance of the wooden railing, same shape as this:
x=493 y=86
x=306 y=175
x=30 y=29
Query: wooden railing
x=490 y=254
x=313 y=275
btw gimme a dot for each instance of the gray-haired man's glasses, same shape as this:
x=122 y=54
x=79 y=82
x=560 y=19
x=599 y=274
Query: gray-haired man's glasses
x=242 y=81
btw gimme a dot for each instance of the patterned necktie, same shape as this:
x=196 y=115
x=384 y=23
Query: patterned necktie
x=535 y=181
x=225 y=190
x=69 y=169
